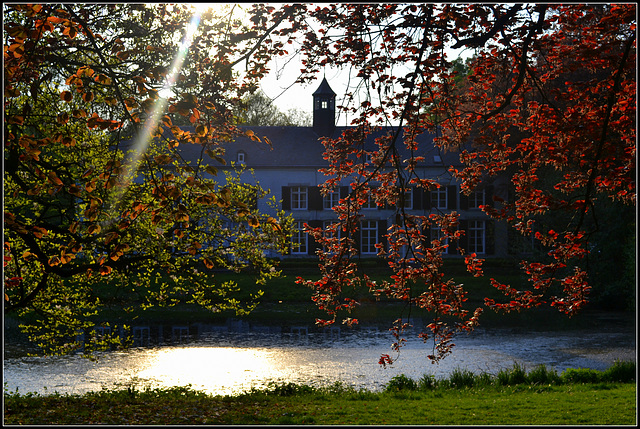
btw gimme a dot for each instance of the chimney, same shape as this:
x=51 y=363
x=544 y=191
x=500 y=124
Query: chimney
x=324 y=110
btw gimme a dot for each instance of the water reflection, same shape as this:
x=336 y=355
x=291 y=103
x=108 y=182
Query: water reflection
x=222 y=361
x=219 y=367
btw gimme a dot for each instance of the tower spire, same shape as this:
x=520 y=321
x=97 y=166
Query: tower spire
x=324 y=109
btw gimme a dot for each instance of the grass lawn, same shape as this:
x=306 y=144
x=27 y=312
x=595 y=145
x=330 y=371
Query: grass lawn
x=541 y=397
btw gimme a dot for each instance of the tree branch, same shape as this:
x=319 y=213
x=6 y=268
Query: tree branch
x=605 y=127
x=477 y=41
x=522 y=70
x=246 y=56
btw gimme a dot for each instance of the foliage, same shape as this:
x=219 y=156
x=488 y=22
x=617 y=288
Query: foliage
x=581 y=375
x=620 y=371
x=101 y=209
x=461 y=378
x=401 y=382
x=259 y=110
x=517 y=375
x=542 y=375
x=548 y=101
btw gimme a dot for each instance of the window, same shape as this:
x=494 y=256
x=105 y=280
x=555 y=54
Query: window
x=369 y=237
x=299 y=198
x=330 y=200
x=241 y=157
x=408 y=199
x=329 y=228
x=299 y=244
x=141 y=336
x=180 y=334
x=476 y=199
x=370 y=204
x=324 y=104
x=368 y=158
x=102 y=332
x=439 y=198
x=476 y=235
x=437 y=234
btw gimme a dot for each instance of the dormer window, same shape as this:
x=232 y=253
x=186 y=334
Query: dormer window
x=368 y=158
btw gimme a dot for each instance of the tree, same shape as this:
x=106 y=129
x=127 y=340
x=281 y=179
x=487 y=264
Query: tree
x=258 y=110
x=550 y=95
x=101 y=211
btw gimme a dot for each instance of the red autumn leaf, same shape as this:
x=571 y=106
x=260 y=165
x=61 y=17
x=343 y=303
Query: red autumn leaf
x=66 y=96
x=39 y=232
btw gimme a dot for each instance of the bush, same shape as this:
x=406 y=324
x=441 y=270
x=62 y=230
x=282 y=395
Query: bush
x=581 y=375
x=483 y=379
x=462 y=378
x=516 y=375
x=541 y=375
x=427 y=382
x=624 y=372
x=288 y=389
x=401 y=382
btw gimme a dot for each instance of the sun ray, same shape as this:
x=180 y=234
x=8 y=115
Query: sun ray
x=146 y=134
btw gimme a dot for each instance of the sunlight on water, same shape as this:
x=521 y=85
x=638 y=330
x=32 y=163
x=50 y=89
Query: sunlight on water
x=212 y=369
x=229 y=370
x=231 y=363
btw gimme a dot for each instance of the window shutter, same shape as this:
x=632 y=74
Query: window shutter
x=382 y=232
x=313 y=244
x=315 y=198
x=286 y=198
x=417 y=198
x=463 y=243
x=452 y=194
x=488 y=195
x=426 y=199
x=426 y=238
x=464 y=201
x=344 y=191
x=489 y=238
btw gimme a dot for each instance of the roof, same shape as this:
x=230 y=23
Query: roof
x=301 y=147
x=324 y=89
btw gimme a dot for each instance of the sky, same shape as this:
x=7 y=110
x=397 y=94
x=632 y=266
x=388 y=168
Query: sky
x=280 y=87
x=280 y=84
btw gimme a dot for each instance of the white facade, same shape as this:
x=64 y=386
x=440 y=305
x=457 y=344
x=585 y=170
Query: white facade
x=288 y=168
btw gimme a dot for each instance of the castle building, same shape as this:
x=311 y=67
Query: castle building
x=289 y=168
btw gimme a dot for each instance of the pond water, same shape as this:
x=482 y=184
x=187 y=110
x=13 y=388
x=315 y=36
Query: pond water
x=227 y=361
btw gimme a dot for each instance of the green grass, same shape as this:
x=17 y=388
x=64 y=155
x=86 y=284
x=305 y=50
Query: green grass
x=463 y=399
